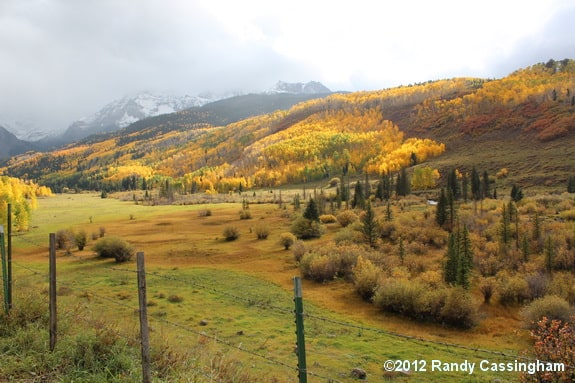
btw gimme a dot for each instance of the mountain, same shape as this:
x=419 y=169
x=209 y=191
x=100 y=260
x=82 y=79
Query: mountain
x=25 y=129
x=10 y=145
x=121 y=113
x=523 y=123
x=312 y=87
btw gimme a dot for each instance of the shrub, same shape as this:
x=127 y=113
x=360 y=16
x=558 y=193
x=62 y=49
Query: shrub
x=114 y=247
x=459 y=309
x=316 y=267
x=299 y=249
x=346 y=217
x=287 y=240
x=262 y=231
x=365 y=277
x=231 y=233
x=102 y=232
x=81 y=238
x=487 y=288
x=513 y=290
x=399 y=296
x=550 y=307
x=451 y=306
x=245 y=214
x=175 y=298
x=348 y=235
x=304 y=228
x=64 y=239
x=204 y=213
x=327 y=218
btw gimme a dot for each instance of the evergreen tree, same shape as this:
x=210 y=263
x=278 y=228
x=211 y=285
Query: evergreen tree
x=413 y=159
x=485 y=186
x=441 y=209
x=358 y=197
x=379 y=190
x=451 y=213
x=402 y=187
x=516 y=193
x=505 y=226
x=475 y=185
x=571 y=184
x=450 y=266
x=465 y=258
x=459 y=262
x=370 y=227
x=311 y=211
x=388 y=212
x=401 y=250
x=525 y=250
x=367 y=187
x=465 y=187
x=453 y=183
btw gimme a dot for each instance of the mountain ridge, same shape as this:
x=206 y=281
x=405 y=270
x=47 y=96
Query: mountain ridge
x=376 y=131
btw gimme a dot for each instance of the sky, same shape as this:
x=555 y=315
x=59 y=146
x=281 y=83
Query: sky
x=61 y=60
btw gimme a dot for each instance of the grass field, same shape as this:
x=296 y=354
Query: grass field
x=231 y=302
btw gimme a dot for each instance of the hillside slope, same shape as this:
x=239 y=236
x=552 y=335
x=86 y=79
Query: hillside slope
x=524 y=122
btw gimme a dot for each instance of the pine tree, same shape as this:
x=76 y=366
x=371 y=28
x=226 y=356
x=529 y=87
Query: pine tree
x=311 y=211
x=485 y=186
x=465 y=187
x=402 y=186
x=441 y=209
x=505 y=226
x=401 y=250
x=358 y=197
x=465 y=258
x=388 y=212
x=571 y=184
x=370 y=227
x=453 y=183
x=516 y=193
x=475 y=185
x=450 y=266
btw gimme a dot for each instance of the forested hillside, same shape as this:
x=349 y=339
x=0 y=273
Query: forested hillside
x=471 y=121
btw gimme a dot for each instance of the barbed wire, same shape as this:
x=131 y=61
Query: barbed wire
x=29 y=241
x=423 y=340
x=18 y=264
x=250 y=301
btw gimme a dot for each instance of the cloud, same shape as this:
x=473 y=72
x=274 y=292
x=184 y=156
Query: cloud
x=64 y=59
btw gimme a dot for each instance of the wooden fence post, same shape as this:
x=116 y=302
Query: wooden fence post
x=4 y=271
x=52 y=293
x=9 y=234
x=144 y=334
x=298 y=299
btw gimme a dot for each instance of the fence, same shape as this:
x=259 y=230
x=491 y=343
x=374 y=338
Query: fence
x=318 y=326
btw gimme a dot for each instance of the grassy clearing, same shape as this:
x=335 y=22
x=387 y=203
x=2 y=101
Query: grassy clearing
x=194 y=275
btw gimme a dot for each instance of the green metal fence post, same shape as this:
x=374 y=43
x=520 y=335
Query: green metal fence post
x=301 y=365
x=4 y=271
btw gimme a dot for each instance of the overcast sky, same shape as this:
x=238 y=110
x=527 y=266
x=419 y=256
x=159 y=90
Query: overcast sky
x=64 y=59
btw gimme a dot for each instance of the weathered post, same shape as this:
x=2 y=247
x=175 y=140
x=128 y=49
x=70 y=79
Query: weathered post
x=4 y=270
x=144 y=334
x=9 y=224
x=52 y=292
x=300 y=345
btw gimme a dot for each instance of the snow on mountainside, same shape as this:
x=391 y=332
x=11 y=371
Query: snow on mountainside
x=121 y=113
x=25 y=129
x=312 y=87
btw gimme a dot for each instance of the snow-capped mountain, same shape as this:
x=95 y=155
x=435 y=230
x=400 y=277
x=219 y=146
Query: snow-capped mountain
x=121 y=113
x=25 y=129
x=312 y=87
